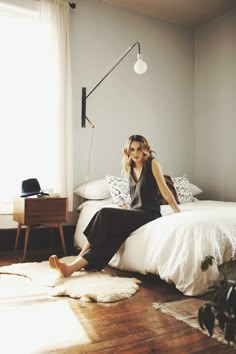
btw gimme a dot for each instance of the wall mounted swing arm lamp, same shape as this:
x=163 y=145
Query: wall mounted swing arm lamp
x=140 y=67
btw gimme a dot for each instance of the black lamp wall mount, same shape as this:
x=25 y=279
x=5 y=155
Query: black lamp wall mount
x=72 y=5
x=140 y=67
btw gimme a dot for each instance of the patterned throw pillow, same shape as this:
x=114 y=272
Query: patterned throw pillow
x=170 y=184
x=119 y=189
x=183 y=189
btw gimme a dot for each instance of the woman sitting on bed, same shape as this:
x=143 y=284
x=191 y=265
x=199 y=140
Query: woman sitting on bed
x=110 y=227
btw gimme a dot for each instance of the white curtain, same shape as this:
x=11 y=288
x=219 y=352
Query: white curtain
x=35 y=90
x=55 y=16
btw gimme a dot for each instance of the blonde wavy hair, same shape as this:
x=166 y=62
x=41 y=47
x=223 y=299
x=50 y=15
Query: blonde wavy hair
x=127 y=163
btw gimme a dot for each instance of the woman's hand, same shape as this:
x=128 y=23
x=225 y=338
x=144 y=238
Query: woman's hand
x=124 y=206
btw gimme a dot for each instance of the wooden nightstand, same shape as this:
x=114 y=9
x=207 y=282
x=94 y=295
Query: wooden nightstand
x=45 y=211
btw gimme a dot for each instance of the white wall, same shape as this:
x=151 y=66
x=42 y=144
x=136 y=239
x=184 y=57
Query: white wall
x=193 y=135
x=158 y=105
x=215 y=167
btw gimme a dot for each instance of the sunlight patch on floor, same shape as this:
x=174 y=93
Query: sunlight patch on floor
x=37 y=328
x=14 y=287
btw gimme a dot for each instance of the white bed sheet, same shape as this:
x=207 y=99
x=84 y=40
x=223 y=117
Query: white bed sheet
x=174 y=245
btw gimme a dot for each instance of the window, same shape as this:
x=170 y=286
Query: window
x=29 y=124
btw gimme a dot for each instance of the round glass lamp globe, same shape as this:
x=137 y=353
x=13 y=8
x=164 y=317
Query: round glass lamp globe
x=140 y=67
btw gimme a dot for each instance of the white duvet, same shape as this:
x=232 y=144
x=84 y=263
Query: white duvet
x=174 y=245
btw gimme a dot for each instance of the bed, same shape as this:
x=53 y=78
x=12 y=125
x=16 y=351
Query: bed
x=174 y=245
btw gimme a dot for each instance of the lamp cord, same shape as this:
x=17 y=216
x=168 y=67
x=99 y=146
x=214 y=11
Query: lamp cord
x=89 y=161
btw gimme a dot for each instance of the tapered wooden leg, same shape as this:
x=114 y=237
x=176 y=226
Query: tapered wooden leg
x=62 y=238
x=17 y=236
x=27 y=231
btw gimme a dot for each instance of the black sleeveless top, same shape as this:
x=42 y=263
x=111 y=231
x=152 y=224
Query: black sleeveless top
x=145 y=194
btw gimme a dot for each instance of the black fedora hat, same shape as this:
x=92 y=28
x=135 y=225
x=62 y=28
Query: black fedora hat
x=30 y=187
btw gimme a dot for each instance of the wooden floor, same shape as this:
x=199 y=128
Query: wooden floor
x=128 y=326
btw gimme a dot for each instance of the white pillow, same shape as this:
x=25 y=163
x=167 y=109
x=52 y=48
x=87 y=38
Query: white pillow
x=119 y=189
x=97 y=189
x=183 y=189
x=195 y=189
x=95 y=203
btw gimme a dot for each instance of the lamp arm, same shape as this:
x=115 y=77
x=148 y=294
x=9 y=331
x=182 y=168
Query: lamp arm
x=115 y=65
x=84 y=93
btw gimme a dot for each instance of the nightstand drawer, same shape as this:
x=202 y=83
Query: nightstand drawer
x=40 y=210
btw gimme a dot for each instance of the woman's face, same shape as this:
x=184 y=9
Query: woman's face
x=136 y=152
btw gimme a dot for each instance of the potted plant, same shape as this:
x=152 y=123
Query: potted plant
x=222 y=305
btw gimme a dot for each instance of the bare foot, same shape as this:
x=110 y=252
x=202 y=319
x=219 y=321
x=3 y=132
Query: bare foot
x=54 y=263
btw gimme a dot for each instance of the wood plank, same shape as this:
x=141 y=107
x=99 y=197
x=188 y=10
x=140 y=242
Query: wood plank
x=132 y=325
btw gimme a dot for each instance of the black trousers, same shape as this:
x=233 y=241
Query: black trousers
x=108 y=229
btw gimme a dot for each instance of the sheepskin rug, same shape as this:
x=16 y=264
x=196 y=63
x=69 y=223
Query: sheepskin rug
x=84 y=285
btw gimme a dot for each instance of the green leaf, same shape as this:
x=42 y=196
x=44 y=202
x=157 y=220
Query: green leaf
x=231 y=300
x=208 y=261
x=200 y=317
x=206 y=318
x=222 y=319
x=230 y=330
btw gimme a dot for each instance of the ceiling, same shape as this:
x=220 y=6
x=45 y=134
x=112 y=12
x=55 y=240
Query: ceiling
x=183 y=12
